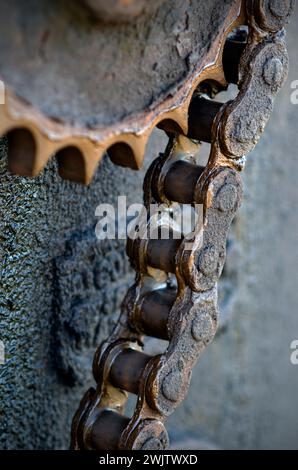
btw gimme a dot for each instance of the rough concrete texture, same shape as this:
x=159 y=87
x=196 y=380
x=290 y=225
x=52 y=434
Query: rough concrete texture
x=60 y=291
x=84 y=72
x=54 y=277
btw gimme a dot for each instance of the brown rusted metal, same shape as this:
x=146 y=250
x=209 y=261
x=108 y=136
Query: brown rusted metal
x=127 y=368
x=153 y=314
x=269 y=16
x=233 y=50
x=181 y=180
x=106 y=430
x=125 y=141
x=201 y=115
x=183 y=311
x=160 y=254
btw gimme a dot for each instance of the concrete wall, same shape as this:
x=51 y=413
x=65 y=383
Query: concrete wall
x=60 y=293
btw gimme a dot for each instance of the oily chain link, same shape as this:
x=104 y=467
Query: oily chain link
x=193 y=313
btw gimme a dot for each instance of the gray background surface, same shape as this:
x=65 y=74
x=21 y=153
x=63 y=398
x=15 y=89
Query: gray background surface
x=60 y=293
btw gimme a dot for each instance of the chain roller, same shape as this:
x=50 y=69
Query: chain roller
x=174 y=296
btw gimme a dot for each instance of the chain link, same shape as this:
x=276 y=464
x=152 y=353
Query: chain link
x=174 y=296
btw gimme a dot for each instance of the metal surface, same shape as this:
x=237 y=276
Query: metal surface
x=161 y=382
x=87 y=117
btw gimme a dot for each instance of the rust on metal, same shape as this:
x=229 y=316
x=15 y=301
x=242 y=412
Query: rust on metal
x=125 y=141
x=174 y=296
x=184 y=311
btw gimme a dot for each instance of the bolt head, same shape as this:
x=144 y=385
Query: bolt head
x=280 y=8
x=208 y=260
x=202 y=327
x=227 y=197
x=273 y=72
x=150 y=435
x=172 y=384
x=153 y=444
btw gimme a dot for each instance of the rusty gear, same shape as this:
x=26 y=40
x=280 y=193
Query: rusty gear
x=174 y=296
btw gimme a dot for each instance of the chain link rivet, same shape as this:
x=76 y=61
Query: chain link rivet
x=153 y=443
x=208 y=260
x=202 y=327
x=227 y=197
x=280 y=8
x=171 y=385
x=273 y=71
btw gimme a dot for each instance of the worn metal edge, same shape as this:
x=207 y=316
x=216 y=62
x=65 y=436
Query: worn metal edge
x=51 y=136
